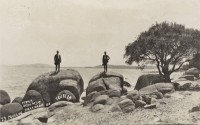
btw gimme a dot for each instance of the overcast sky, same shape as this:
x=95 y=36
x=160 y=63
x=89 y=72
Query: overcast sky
x=32 y=30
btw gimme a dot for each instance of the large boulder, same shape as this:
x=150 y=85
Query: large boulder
x=106 y=81
x=193 y=71
x=148 y=79
x=4 y=97
x=50 y=84
x=9 y=111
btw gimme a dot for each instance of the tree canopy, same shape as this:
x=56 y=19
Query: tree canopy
x=168 y=45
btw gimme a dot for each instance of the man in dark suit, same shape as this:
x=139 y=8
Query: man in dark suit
x=57 y=61
x=105 y=61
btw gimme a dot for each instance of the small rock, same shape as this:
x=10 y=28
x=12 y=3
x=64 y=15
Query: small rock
x=126 y=105
x=102 y=99
x=139 y=103
x=125 y=83
x=91 y=97
x=153 y=101
x=125 y=91
x=110 y=101
x=151 y=106
x=146 y=98
x=59 y=104
x=196 y=108
x=111 y=93
x=133 y=95
x=187 y=93
x=115 y=108
x=97 y=107
x=83 y=98
x=167 y=95
x=17 y=100
x=43 y=120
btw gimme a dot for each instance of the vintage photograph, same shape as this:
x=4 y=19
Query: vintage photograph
x=99 y=62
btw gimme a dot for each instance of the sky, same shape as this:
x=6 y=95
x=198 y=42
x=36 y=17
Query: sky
x=31 y=31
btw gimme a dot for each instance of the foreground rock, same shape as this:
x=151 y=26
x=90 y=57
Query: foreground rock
x=4 y=97
x=148 y=79
x=49 y=85
x=10 y=111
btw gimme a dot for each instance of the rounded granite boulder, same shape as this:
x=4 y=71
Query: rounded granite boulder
x=9 y=111
x=148 y=79
x=51 y=83
x=4 y=97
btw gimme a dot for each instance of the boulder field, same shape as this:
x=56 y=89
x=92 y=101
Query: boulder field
x=105 y=93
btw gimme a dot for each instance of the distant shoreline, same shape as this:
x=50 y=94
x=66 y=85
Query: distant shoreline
x=37 y=65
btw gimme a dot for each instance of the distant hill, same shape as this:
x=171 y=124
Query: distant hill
x=123 y=67
x=37 y=65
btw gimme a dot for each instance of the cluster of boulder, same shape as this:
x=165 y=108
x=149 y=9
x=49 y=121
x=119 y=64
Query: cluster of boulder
x=105 y=92
x=8 y=109
x=189 y=80
x=48 y=88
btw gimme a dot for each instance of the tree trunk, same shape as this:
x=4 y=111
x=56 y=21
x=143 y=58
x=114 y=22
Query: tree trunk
x=167 y=77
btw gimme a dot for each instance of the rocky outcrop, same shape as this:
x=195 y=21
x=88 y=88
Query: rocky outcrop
x=49 y=85
x=4 y=97
x=106 y=81
x=148 y=79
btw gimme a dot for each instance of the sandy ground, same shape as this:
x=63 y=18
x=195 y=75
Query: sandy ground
x=169 y=111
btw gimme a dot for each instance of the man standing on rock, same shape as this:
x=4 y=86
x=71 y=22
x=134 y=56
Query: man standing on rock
x=105 y=61
x=57 y=61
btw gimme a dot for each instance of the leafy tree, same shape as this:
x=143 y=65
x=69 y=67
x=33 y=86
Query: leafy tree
x=168 y=45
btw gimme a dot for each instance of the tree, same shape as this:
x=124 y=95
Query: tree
x=168 y=45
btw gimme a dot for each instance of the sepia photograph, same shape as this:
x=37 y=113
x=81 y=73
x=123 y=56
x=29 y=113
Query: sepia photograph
x=99 y=62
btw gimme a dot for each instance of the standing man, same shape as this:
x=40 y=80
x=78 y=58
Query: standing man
x=105 y=61
x=57 y=61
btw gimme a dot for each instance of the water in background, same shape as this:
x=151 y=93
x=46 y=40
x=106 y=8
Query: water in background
x=15 y=80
